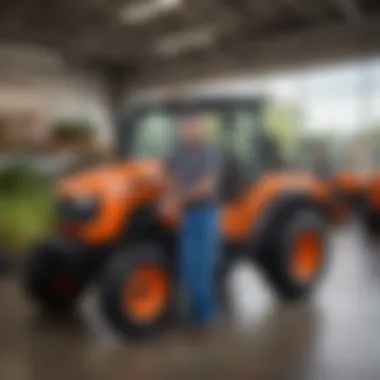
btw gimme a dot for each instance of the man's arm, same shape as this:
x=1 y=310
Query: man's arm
x=170 y=191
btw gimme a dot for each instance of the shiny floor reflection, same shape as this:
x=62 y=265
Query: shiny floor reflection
x=333 y=337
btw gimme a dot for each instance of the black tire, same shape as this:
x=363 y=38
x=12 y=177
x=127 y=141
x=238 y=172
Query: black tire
x=229 y=257
x=369 y=217
x=43 y=265
x=117 y=272
x=371 y=223
x=276 y=261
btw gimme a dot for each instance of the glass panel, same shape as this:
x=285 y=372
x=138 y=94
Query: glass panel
x=212 y=125
x=155 y=132
x=240 y=138
x=154 y=135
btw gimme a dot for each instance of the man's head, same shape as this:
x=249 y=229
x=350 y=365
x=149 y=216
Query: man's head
x=191 y=130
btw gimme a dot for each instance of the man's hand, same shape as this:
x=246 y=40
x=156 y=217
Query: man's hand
x=169 y=206
x=203 y=189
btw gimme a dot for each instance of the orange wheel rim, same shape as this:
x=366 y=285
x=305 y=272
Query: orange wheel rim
x=306 y=256
x=145 y=293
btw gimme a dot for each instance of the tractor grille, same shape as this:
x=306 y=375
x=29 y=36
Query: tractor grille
x=72 y=210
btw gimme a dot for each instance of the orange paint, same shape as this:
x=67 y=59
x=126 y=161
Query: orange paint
x=347 y=182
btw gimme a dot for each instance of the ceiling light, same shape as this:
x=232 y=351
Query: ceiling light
x=138 y=14
x=170 y=3
x=186 y=41
x=141 y=12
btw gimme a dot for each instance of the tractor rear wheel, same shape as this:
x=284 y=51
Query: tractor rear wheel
x=229 y=258
x=340 y=211
x=136 y=292
x=49 y=280
x=371 y=223
x=296 y=258
x=369 y=216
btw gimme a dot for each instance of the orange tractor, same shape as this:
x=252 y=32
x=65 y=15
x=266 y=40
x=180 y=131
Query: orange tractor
x=107 y=222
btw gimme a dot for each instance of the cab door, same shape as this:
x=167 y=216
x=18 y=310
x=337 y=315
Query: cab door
x=241 y=167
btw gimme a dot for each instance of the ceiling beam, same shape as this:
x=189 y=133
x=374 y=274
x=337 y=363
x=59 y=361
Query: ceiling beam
x=330 y=43
x=310 y=10
x=350 y=10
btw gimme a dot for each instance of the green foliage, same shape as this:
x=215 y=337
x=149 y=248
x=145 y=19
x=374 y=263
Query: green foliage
x=25 y=207
x=19 y=177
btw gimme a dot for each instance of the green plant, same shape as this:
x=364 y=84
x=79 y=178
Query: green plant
x=25 y=207
x=19 y=177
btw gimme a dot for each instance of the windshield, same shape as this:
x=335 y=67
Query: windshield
x=153 y=131
x=156 y=131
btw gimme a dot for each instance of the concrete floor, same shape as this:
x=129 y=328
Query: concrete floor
x=335 y=336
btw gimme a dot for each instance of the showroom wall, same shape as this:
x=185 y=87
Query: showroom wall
x=37 y=81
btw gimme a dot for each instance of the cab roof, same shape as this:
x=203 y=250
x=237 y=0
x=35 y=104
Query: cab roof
x=199 y=102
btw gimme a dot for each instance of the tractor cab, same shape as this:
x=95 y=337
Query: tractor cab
x=234 y=125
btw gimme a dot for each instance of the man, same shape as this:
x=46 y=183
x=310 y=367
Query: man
x=194 y=169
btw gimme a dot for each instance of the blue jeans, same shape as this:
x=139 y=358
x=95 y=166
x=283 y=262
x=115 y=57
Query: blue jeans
x=198 y=259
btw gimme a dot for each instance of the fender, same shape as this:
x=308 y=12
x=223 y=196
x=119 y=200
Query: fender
x=240 y=217
x=276 y=211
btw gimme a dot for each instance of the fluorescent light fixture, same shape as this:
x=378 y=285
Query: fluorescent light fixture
x=189 y=40
x=169 y=3
x=144 y=11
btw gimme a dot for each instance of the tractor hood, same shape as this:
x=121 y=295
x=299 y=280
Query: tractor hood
x=113 y=179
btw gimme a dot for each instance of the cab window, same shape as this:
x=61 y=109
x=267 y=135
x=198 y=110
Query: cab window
x=154 y=135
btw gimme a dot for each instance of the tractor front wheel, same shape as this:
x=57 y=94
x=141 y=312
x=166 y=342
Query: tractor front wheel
x=371 y=223
x=136 y=292
x=50 y=281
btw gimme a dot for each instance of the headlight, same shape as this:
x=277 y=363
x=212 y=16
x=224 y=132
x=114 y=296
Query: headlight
x=84 y=202
x=77 y=209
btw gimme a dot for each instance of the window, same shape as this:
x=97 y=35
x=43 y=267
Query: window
x=212 y=124
x=154 y=135
x=155 y=132
x=240 y=137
